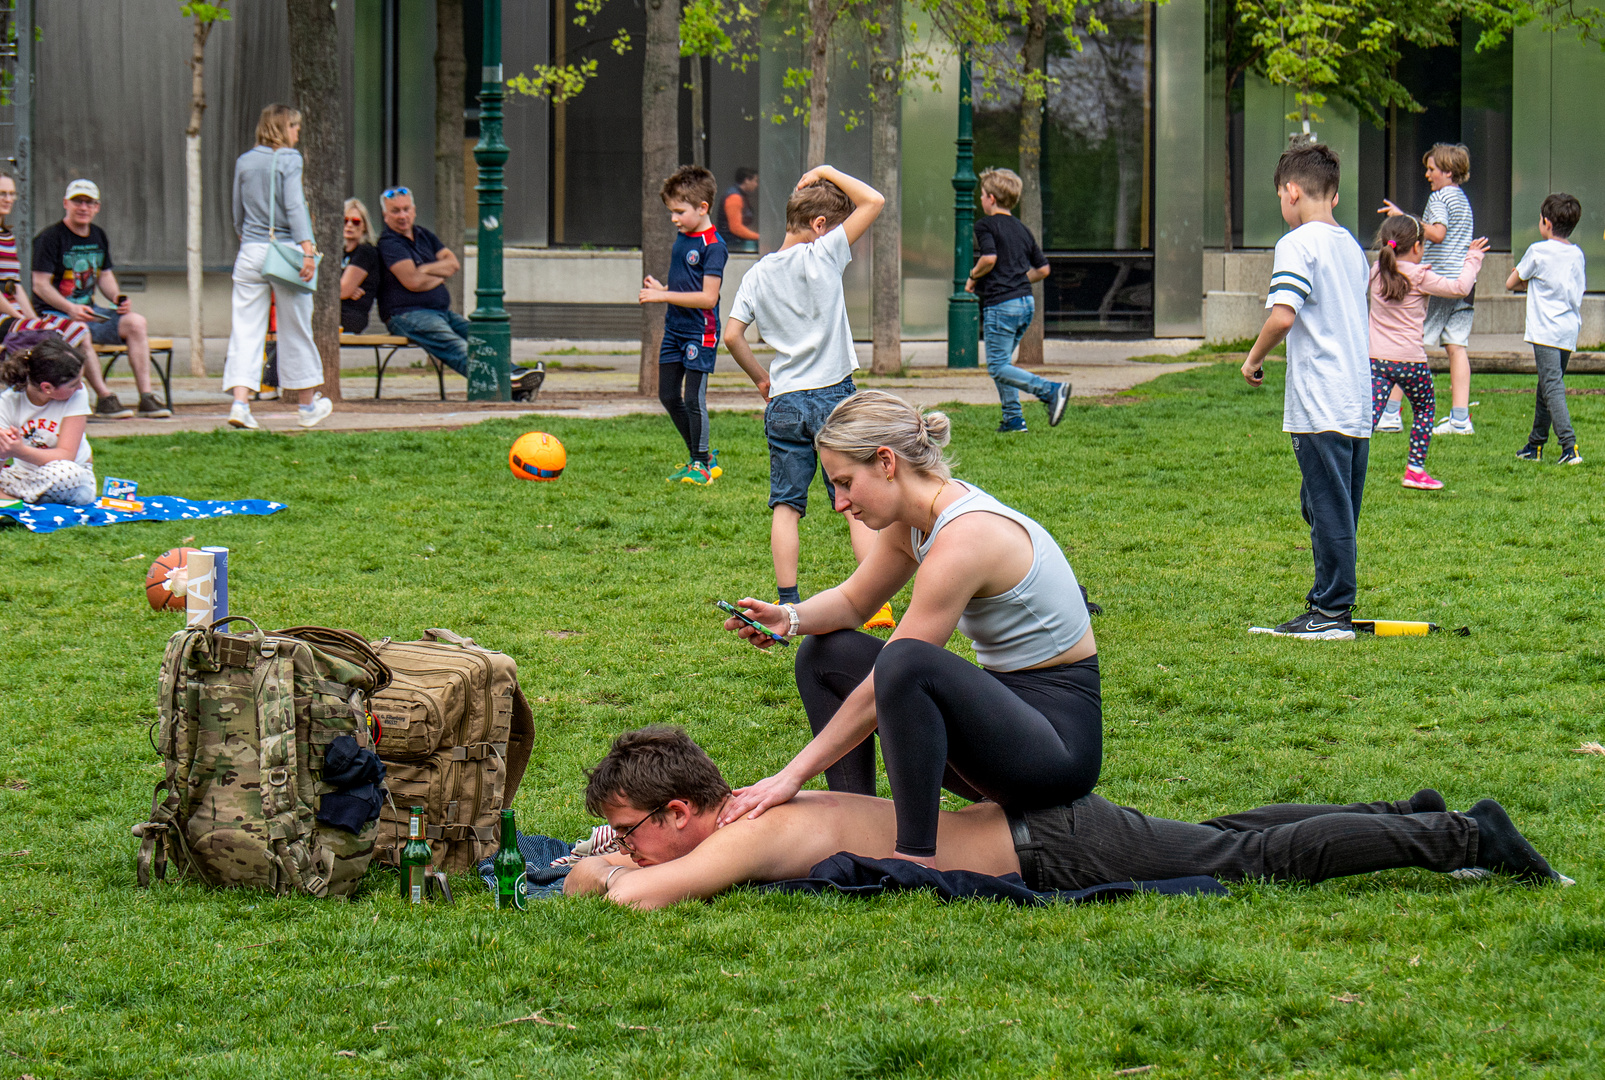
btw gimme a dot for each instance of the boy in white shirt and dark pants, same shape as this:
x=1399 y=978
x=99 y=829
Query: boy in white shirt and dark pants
x=794 y=296
x=1317 y=302
x=1553 y=274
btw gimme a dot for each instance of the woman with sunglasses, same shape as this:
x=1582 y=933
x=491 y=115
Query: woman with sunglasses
x=359 y=269
x=270 y=207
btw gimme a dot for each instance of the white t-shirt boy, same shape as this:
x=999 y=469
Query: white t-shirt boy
x=1320 y=272
x=1555 y=273
x=794 y=297
x=41 y=424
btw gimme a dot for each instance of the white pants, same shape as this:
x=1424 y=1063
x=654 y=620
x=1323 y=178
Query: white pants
x=67 y=482
x=299 y=364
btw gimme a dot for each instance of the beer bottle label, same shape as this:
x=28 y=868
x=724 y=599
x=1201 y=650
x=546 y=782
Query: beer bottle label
x=415 y=884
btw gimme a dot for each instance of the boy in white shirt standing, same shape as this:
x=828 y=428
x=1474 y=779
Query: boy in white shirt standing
x=1552 y=273
x=1317 y=302
x=795 y=298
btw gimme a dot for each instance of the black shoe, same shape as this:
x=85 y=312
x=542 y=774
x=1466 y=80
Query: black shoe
x=1427 y=801
x=1092 y=609
x=109 y=408
x=1530 y=452
x=526 y=382
x=1010 y=427
x=1314 y=626
x=1502 y=848
x=151 y=408
x=1061 y=398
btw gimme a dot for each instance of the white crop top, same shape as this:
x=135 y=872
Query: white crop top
x=1036 y=620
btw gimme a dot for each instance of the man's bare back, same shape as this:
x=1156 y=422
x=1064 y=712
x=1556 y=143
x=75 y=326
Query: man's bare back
x=691 y=857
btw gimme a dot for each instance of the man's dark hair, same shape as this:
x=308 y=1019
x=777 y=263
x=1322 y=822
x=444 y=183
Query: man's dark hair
x=690 y=184
x=651 y=766
x=744 y=173
x=819 y=199
x=1563 y=212
x=1313 y=167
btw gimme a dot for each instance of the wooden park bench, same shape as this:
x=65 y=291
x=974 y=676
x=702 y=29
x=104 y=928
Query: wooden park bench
x=380 y=342
x=159 y=347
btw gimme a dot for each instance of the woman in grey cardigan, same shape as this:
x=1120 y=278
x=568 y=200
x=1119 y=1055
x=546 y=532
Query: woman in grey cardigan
x=273 y=164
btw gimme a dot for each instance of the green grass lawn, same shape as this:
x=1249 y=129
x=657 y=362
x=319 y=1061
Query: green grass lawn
x=1178 y=507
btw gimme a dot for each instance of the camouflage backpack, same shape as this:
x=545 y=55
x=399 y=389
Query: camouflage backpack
x=245 y=721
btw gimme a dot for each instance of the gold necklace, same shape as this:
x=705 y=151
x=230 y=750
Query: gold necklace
x=932 y=510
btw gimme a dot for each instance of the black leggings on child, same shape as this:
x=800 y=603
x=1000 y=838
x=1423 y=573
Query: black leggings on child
x=688 y=408
x=1024 y=739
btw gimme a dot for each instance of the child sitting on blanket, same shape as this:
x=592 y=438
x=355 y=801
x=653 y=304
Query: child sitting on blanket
x=42 y=414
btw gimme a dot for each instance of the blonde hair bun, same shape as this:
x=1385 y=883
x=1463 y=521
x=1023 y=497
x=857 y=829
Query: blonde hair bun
x=871 y=419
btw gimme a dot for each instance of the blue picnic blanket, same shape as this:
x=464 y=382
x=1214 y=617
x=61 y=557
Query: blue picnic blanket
x=48 y=517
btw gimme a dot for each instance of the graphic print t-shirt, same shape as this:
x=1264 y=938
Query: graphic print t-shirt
x=1320 y=273
x=696 y=256
x=41 y=424
x=73 y=262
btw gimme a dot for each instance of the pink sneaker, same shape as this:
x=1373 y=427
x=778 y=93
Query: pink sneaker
x=1418 y=478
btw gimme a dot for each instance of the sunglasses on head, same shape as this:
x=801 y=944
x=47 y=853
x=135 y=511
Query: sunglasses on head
x=393 y=192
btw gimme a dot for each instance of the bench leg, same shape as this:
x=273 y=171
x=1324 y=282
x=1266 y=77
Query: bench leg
x=379 y=383
x=440 y=375
x=166 y=372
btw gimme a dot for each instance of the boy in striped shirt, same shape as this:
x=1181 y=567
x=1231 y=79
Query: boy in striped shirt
x=1317 y=303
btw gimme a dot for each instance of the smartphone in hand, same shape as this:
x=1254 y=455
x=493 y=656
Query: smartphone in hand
x=731 y=609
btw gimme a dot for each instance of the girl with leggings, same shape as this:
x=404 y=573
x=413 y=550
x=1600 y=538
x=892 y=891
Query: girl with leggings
x=1025 y=729
x=1399 y=288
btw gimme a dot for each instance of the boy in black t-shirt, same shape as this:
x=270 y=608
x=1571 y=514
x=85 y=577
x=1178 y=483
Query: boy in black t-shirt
x=1008 y=262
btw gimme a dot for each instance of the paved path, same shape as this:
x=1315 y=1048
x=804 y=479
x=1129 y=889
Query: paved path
x=598 y=379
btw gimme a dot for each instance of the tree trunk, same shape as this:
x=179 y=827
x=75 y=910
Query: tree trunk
x=315 y=77
x=1033 y=58
x=449 y=90
x=192 y=196
x=1227 y=240
x=660 y=152
x=699 y=137
x=821 y=16
x=886 y=238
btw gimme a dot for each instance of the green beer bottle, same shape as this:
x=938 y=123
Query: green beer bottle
x=415 y=861
x=512 y=887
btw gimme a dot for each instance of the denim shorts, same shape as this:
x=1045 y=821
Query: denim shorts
x=791 y=421
x=101 y=333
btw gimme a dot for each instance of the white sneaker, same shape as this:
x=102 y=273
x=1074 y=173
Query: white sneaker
x=239 y=415
x=1448 y=426
x=314 y=414
x=1393 y=421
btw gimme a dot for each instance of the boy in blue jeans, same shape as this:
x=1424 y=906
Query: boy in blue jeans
x=691 y=325
x=1553 y=274
x=1317 y=301
x=1008 y=262
x=794 y=296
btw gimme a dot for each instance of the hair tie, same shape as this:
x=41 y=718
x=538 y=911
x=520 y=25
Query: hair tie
x=1394 y=244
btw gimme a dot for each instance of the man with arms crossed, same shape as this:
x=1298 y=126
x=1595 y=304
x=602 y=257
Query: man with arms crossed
x=662 y=794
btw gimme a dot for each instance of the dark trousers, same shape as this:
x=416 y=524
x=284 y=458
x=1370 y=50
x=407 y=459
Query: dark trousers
x=684 y=395
x=1020 y=738
x=1551 y=405
x=1333 y=466
x=1092 y=841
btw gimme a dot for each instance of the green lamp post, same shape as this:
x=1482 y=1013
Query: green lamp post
x=963 y=308
x=490 y=342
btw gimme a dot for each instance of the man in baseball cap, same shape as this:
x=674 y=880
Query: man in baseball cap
x=71 y=259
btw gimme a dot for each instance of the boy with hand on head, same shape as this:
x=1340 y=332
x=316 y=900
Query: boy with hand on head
x=691 y=325
x=1447 y=226
x=1008 y=262
x=1553 y=274
x=1317 y=302
x=794 y=296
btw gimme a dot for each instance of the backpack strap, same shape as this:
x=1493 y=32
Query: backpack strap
x=274 y=686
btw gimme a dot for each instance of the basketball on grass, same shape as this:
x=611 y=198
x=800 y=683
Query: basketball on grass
x=537 y=456
x=164 y=584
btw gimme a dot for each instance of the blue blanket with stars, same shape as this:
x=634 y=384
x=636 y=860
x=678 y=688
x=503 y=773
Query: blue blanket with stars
x=48 y=517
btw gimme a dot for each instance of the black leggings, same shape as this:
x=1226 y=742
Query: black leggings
x=1024 y=739
x=688 y=408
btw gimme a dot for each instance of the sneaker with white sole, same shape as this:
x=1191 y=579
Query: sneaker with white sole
x=239 y=415
x=1531 y=452
x=1315 y=626
x=1569 y=457
x=1061 y=398
x=1450 y=426
x=315 y=413
x=1418 y=479
x=1390 y=421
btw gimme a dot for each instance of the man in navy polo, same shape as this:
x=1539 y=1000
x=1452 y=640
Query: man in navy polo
x=415 y=266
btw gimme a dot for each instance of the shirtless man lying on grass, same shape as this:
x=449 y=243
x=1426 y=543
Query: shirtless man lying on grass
x=663 y=795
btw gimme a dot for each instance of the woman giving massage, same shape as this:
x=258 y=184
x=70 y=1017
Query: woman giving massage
x=1025 y=729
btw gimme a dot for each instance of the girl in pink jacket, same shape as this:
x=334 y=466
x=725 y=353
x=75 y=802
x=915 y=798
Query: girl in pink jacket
x=1399 y=289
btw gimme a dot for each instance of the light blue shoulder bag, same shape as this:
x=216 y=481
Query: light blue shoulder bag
x=283 y=263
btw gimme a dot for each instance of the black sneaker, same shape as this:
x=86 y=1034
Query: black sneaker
x=1314 y=626
x=1502 y=849
x=109 y=408
x=1530 y=452
x=1061 y=398
x=151 y=408
x=1569 y=457
x=1010 y=427
x=526 y=382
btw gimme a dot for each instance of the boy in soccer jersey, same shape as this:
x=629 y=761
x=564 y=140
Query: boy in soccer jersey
x=691 y=325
